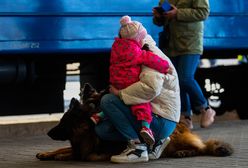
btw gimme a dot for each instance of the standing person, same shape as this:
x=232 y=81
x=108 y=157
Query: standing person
x=162 y=90
x=125 y=67
x=183 y=24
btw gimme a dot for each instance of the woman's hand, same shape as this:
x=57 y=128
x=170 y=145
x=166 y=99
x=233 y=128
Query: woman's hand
x=156 y=13
x=113 y=90
x=171 y=14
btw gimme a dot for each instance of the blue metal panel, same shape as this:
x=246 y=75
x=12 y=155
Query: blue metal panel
x=53 y=7
x=228 y=7
x=66 y=26
x=51 y=33
x=227 y=26
x=226 y=32
x=90 y=26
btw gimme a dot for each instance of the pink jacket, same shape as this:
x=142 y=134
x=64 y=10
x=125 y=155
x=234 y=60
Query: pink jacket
x=126 y=60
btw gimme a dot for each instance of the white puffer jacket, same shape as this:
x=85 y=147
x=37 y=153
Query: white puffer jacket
x=161 y=90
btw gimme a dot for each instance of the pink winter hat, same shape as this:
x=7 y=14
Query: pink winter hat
x=132 y=29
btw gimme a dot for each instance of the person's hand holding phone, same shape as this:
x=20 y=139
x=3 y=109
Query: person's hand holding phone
x=162 y=10
x=171 y=14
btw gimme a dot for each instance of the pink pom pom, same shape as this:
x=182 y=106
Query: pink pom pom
x=125 y=20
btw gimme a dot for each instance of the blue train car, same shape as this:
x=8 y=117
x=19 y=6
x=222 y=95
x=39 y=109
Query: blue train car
x=39 y=37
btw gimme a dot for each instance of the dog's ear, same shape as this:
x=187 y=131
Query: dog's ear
x=87 y=88
x=74 y=102
x=86 y=92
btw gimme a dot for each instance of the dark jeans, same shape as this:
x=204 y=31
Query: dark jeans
x=190 y=91
x=121 y=124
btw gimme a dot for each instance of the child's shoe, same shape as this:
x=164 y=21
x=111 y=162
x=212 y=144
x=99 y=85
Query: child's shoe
x=147 y=135
x=95 y=118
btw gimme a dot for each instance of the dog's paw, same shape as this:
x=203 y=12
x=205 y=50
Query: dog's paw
x=223 y=150
x=44 y=156
x=185 y=153
x=180 y=154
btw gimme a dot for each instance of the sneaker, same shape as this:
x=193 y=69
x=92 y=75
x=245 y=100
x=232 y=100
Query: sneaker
x=207 y=117
x=147 y=135
x=158 y=148
x=133 y=154
x=95 y=118
x=187 y=121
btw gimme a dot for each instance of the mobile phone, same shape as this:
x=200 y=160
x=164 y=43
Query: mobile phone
x=159 y=9
x=165 y=7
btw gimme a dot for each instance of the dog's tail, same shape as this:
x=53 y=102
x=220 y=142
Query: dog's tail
x=193 y=142
x=210 y=147
x=218 y=148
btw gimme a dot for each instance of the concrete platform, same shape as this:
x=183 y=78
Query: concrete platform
x=18 y=150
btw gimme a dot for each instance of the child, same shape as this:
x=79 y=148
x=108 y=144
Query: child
x=125 y=67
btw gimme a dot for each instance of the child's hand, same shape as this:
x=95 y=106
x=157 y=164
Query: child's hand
x=170 y=70
x=113 y=90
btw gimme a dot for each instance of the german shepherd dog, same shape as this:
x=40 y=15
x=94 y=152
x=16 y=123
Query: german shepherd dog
x=76 y=126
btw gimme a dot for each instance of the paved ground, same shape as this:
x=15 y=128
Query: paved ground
x=19 y=150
